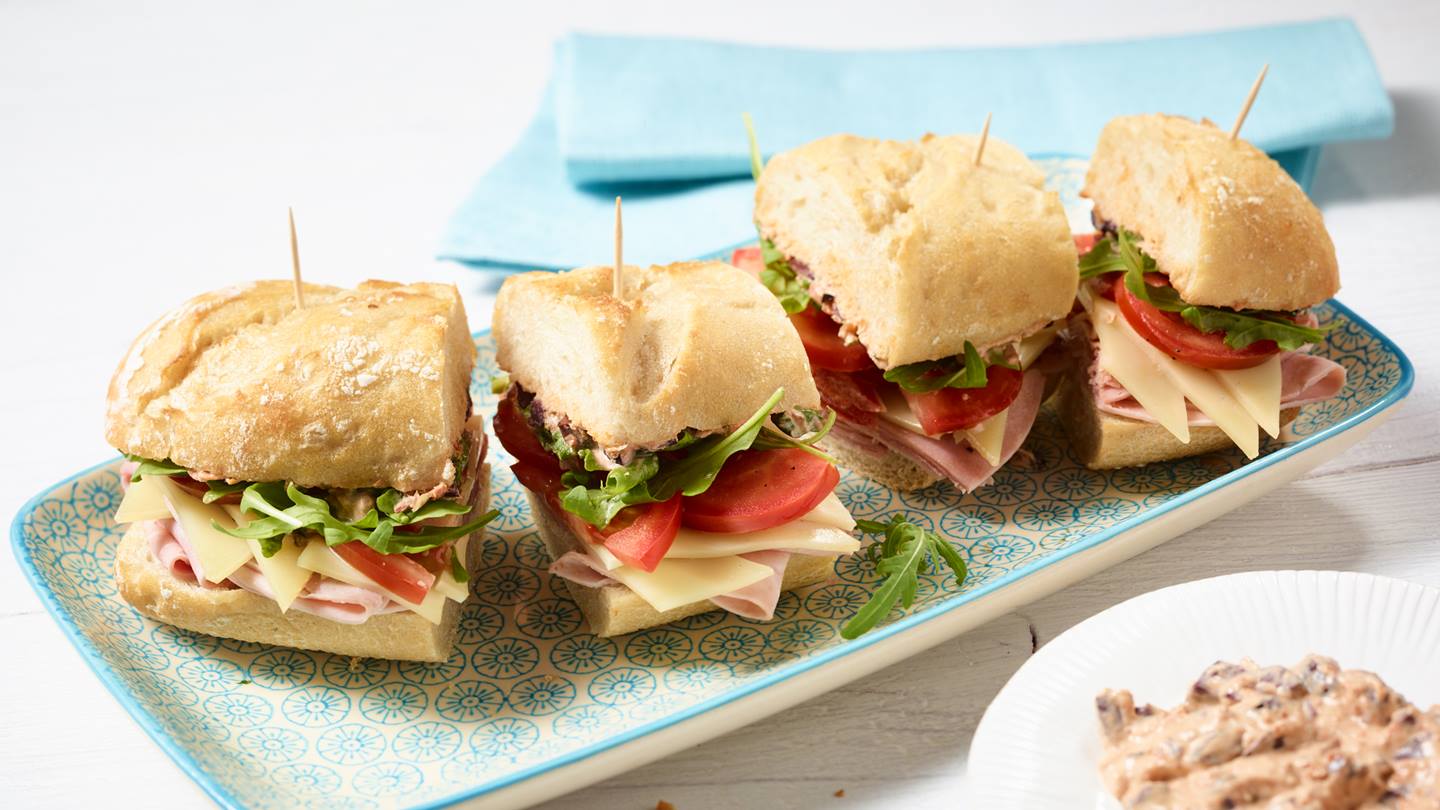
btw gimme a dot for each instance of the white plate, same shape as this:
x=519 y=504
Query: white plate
x=1038 y=743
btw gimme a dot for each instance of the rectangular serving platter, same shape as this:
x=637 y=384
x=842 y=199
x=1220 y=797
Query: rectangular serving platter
x=530 y=705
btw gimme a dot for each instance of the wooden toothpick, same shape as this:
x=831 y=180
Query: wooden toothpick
x=295 y=262
x=1249 y=100
x=617 y=278
x=984 y=136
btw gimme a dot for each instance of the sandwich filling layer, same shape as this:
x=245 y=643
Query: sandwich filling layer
x=712 y=514
x=212 y=536
x=1152 y=357
x=960 y=418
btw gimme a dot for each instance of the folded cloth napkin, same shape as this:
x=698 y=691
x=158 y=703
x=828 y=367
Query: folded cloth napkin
x=657 y=121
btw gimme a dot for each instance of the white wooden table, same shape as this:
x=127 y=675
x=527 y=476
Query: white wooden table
x=147 y=153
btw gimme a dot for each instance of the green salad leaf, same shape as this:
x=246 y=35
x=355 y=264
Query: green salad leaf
x=778 y=276
x=1121 y=253
x=288 y=509
x=898 y=558
x=967 y=371
x=781 y=436
x=500 y=383
x=648 y=480
x=457 y=569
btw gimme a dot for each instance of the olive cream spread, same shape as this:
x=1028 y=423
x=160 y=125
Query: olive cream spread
x=1312 y=736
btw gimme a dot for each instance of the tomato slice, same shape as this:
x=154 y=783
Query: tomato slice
x=823 y=344
x=516 y=436
x=950 y=409
x=640 y=535
x=748 y=259
x=1172 y=334
x=1084 y=242
x=395 y=573
x=761 y=489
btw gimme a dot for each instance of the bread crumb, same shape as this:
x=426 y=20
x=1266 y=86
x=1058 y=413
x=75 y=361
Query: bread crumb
x=840 y=794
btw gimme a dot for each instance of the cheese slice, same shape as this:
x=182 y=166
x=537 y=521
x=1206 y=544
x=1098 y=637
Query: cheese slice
x=218 y=553
x=321 y=559
x=1136 y=365
x=1258 y=391
x=897 y=410
x=798 y=535
x=142 y=501
x=1162 y=384
x=282 y=571
x=831 y=512
x=1031 y=347
x=988 y=437
x=676 y=581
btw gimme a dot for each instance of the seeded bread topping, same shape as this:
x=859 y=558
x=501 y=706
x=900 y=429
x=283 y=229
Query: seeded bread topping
x=1313 y=736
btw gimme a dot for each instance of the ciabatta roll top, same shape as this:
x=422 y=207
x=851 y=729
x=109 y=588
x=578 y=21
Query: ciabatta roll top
x=361 y=388
x=1225 y=222
x=689 y=345
x=916 y=248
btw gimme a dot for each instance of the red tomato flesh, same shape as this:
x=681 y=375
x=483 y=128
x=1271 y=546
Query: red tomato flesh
x=517 y=437
x=748 y=259
x=1084 y=242
x=395 y=573
x=1172 y=334
x=823 y=344
x=951 y=409
x=761 y=489
x=199 y=489
x=641 y=535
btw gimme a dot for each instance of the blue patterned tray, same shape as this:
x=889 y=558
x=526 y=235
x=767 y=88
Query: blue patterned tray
x=529 y=699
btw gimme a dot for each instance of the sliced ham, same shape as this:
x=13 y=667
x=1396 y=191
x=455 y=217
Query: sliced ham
x=1304 y=378
x=323 y=597
x=945 y=456
x=755 y=601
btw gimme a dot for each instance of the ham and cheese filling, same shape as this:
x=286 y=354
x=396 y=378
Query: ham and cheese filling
x=305 y=576
x=740 y=573
x=1133 y=379
x=881 y=422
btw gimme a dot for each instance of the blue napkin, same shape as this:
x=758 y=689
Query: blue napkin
x=657 y=121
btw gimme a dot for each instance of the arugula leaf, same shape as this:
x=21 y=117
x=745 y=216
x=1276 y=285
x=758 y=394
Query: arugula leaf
x=932 y=375
x=219 y=489
x=1120 y=253
x=431 y=509
x=457 y=569
x=622 y=487
x=500 y=383
x=773 y=437
x=151 y=467
x=270 y=546
x=1247 y=326
x=693 y=474
x=780 y=279
x=905 y=549
x=645 y=480
x=288 y=509
x=778 y=276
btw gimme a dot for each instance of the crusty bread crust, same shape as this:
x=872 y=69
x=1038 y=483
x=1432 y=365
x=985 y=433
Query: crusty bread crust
x=891 y=470
x=920 y=249
x=1104 y=441
x=361 y=388
x=240 y=614
x=694 y=344
x=1224 y=221
x=615 y=610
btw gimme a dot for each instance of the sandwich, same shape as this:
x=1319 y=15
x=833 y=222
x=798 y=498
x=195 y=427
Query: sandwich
x=1196 y=329
x=306 y=477
x=926 y=288
x=666 y=441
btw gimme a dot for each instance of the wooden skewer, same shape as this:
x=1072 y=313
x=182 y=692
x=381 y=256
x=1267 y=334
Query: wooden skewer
x=617 y=278
x=295 y=262
x=1249 y=100
x=984 y=136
